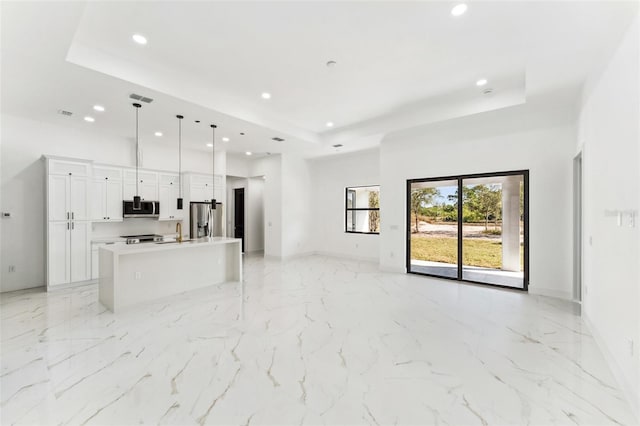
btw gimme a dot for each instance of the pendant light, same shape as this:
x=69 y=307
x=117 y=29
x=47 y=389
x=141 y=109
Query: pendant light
x=179 y=117
x=213 y=166
x=137 y=202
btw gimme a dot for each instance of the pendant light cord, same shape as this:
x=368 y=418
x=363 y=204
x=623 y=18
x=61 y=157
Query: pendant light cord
x=180 y=156
x=213 y=161
x=137 y=148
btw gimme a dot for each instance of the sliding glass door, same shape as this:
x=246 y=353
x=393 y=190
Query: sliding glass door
x=471 y=228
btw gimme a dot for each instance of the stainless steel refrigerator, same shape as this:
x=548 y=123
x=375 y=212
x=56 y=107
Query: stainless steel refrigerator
x=205 y=221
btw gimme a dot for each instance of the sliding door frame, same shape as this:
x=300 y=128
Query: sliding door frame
x=460 y=179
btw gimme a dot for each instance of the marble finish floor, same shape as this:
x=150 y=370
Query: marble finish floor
x=312 y=341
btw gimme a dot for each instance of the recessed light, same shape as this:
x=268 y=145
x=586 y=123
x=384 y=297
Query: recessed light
x=329 y=123
x=89 y=119
x=266 y=95
x=158 y=134
x=140 y=39
x=459 y=9
x=210 y=145
x=225 y=139
x=481 y=82
x=248 y=153
x=98 y=108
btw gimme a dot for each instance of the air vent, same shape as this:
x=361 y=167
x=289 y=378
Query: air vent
x=63 y=112
x=140 y=98
x=278 y=139
x=338 y=145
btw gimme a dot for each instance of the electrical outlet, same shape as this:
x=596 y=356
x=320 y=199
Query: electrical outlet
x=12 y=268
x=391 y=254
x=356 y=245
x=137 y=275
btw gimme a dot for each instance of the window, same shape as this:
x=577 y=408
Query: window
x=362 y=210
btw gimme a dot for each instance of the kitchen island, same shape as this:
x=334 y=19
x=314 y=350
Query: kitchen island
x=138 y=273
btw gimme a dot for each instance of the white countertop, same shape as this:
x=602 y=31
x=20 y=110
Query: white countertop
x=123 y=249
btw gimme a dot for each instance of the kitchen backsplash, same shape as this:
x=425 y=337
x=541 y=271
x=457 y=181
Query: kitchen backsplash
x=136 y=227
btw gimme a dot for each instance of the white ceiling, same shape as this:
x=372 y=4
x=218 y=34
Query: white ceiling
x=399 y=64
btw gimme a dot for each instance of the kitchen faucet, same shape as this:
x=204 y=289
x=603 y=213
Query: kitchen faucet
x=179 y=231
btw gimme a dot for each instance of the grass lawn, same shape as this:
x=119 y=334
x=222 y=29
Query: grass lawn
x=475 y=252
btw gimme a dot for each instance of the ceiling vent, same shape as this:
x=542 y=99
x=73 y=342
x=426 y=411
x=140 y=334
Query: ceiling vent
x=338 y=145
x=63 y=112
x=278 y=139
x=140 y=98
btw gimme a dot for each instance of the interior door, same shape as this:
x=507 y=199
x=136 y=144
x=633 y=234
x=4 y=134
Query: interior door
x=238 y=214
x=80 y=251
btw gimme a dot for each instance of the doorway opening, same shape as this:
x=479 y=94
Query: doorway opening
x=238 y=214
x=470 y=228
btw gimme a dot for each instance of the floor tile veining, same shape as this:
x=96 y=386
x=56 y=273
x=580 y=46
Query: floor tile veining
x=314 y=340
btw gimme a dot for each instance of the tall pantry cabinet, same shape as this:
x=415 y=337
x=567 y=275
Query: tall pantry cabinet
x=68 y=221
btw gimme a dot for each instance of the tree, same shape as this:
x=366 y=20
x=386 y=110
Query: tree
x=487 y=201
x=374 y=215
x=421 y=197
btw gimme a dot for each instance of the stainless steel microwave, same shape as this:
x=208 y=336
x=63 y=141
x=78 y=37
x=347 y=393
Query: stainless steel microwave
x=148 y=209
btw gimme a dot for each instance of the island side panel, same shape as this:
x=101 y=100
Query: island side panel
x=106 y=283
x=233 y=260
x=145 y=276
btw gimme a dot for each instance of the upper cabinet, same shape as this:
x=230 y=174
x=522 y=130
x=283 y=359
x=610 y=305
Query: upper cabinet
x=168 y=193
x=106 y=194
x=68 y=190
x=147 y=185
x=201 y=187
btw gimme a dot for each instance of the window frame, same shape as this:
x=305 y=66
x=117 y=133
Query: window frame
x=353 y=210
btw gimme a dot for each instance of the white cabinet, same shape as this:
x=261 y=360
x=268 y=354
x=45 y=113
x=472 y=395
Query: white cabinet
x=58 y=248
x=68 y=247
x=106 y=195
x=68 y=225
x=168 y=197
x=147 y=185
x=200 y=188
x=80 y=249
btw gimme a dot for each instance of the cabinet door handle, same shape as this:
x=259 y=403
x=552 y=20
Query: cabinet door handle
x=67 y=215
x=67 y=225
x=73 y=225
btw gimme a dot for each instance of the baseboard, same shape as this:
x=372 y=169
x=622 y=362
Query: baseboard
x=627 y=388
x=550 y=292
x=394 y=269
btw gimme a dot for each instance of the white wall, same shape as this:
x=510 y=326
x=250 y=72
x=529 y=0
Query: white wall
x=22 y=191
x=255 y=214
x=329 y=178
x=512 y=139
x=609 y=137
x=237 y=165
x=297 y=207
x=271 y=168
